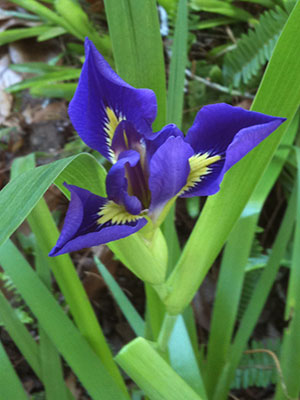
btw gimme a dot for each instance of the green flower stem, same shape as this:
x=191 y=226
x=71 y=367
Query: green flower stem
x=166 y=331
x=45 y=230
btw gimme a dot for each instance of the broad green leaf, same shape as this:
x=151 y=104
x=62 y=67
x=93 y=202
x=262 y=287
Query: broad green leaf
x=137 y=47
x=257 y=301
x=133 y=317
x=152 y=373
x=234 y=263
x=279 y=94
x=10 y=385
x=67 y=339
x=16 y=204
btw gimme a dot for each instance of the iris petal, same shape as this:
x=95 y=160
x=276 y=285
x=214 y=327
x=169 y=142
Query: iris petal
x=102 y=100
x=117 y=182
x=216 y=126
x=157 y=139
x=230 y=132
x=81 y=229
x=169 y=169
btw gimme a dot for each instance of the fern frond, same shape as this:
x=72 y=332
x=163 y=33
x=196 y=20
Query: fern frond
x=258 y=368
x=254 y=48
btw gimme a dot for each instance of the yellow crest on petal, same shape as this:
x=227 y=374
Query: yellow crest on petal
x=116 y=214
x=199 y=164
x=111 y=123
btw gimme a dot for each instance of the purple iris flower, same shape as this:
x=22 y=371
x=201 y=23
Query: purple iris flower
x=149 y=169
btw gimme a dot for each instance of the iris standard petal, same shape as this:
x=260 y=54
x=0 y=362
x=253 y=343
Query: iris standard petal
x=127 y=137
x=216 y=126
x=169 y=169
x=117 y=182
x=102 y=99
x=81 y=228
x=157 y=139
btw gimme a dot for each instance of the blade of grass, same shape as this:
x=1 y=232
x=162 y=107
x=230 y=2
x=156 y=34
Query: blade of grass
x=279 y=94
x=67 y=339
x=10 y=385
x=257 y=301
x=133 y=317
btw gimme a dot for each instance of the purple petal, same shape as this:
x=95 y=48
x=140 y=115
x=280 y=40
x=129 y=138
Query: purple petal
x=127 y=137
x=157 y=139
x=101 y=88
x=117 y=183
x=80 y=228
x=216 y=126
x=169 y=169
x=230 y=132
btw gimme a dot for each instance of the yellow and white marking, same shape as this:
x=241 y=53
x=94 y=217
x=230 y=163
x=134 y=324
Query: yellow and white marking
x=116 y=213
x=111 y=123
x=199 y=164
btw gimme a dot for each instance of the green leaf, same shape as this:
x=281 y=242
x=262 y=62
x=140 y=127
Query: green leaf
x=183 y=359
x=55 y=90
x=67 y=339
x=214 y=225
x=221 y=7
x=16 y=204
x=290 y=351
x=137 y=47
x=51 y=33
x=66 y=74
x=257 y=301
x=11 y=35
x=133 y=317
x=10 y=385
x=20 y=335
x=152 y=373
x=74 y=16
x=52 y=372
x=177 y=66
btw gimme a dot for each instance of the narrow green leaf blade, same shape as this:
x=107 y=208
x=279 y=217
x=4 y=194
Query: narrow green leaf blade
x=10 y=385
x=133 y=317
x=137 y=47
x=67 y=339
x=279 y=94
